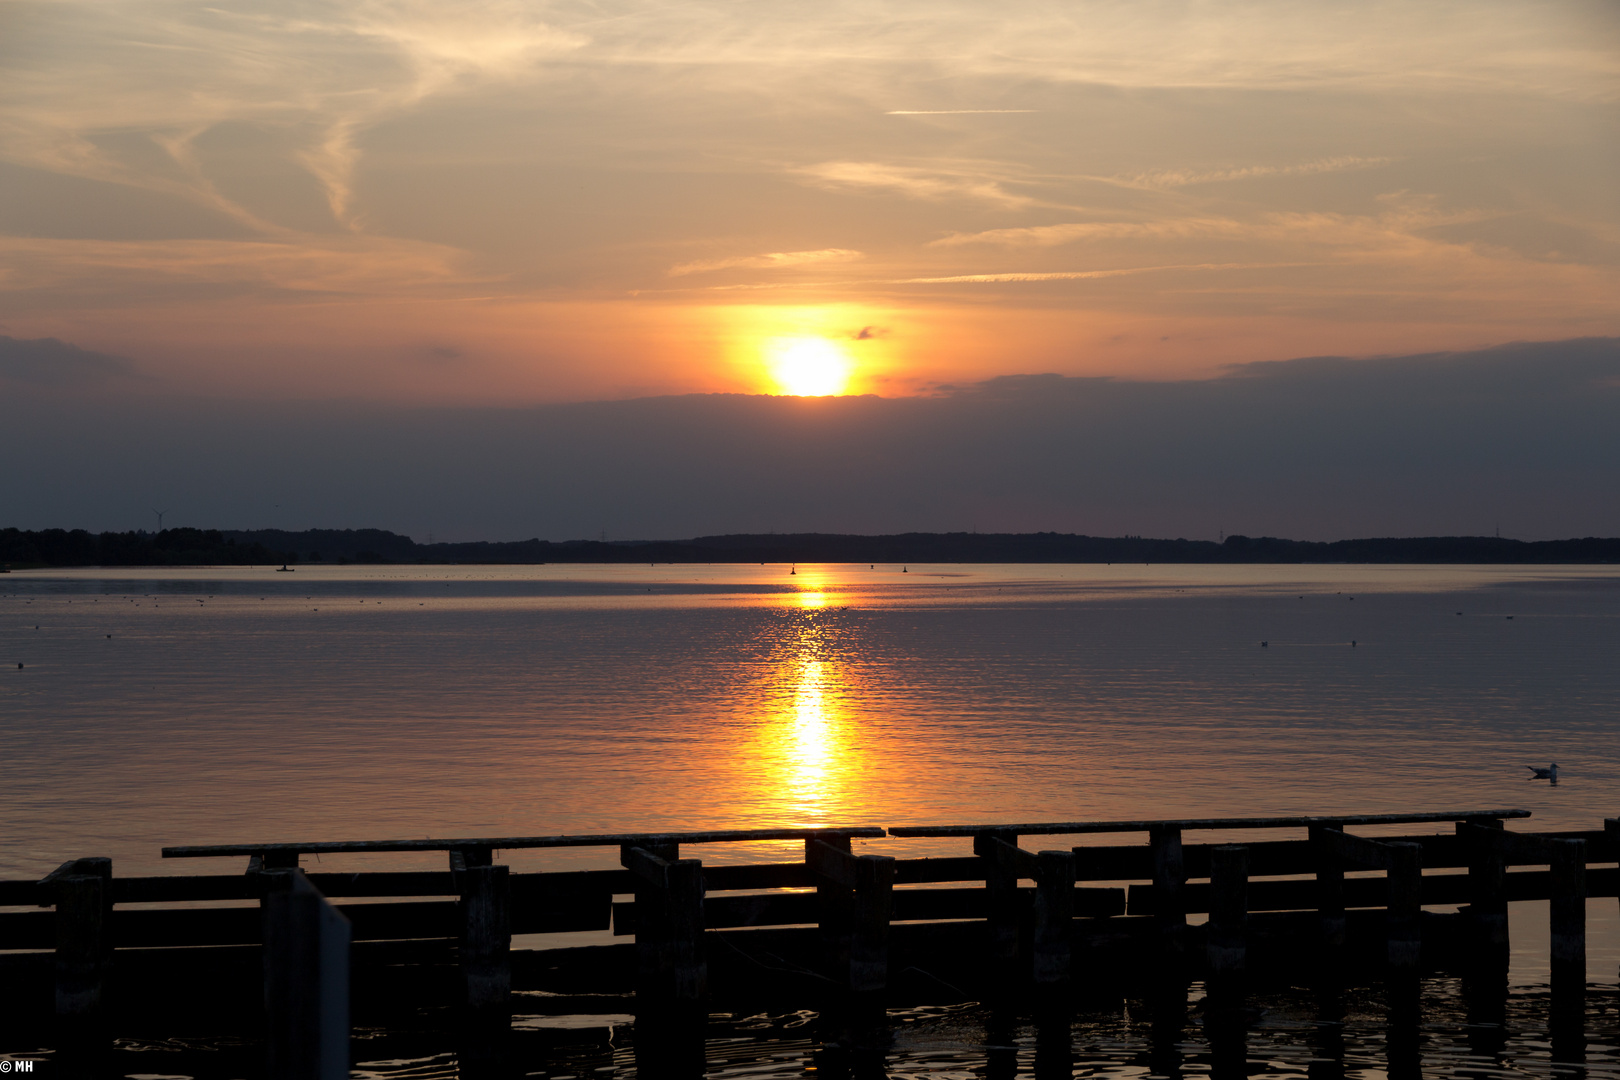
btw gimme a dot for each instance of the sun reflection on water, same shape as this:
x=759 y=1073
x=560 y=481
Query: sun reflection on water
x=806 y=752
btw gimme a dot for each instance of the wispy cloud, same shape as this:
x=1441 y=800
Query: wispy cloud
x=336 y=264
x=775 y=260
x=173 y=71
x=1083 y=275
x=934 y=183
x=1172 y=178
x=1054 y=235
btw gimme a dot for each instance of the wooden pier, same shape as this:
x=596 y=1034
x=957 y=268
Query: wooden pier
x=850 y=929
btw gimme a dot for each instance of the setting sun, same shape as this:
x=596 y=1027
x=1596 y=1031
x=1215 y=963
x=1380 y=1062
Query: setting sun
x=808 y=366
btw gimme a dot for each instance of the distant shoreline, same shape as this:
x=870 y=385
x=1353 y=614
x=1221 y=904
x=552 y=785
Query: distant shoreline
x=60 y=548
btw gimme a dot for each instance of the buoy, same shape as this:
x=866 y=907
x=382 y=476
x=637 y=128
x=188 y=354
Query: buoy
x=902 y=570
x=19 y=667
x=1265 y=644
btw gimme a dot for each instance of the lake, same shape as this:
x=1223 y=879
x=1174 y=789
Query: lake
x=183 y=706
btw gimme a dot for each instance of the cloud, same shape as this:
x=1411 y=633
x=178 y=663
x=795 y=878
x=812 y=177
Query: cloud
x=1173 y=178
x=933 y=183
x=49 y=362
x=1053 y=235
x=1318 y=448
x=174 y=71
x=1081 y=275
x=775 y=260
x=333 y=264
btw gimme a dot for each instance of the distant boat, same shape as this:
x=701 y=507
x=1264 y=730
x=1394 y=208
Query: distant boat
x=285 y=569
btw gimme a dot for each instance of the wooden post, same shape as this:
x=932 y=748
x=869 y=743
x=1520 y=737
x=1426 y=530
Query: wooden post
x=1228 y=909
x=1567 y=912
x=857 y=900
x=835 y=915
x=83 y=959
x=1001 y=885
x=1329 y=889
x=486 y=937
x=1611 y=833
x=652 y=917
x=869 y=941
x=306 y=981
x=689 y=967
x=1054 y=917
x=1169 y=879
x=1405 y=906
x=1485 y=841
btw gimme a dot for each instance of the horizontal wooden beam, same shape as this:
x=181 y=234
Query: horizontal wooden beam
x=1531 y=849
x=1436 y=889
x=1358 y=851
x=834 y=864
x=645 y=865
x=1010 y=857
x=537 y=910
x=510 y=843
x=1075 y=827
x=910 y=905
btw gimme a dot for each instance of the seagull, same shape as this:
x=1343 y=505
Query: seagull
x=1549 y=773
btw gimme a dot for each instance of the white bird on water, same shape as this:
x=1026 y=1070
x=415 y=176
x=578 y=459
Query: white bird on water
x=1549 y=773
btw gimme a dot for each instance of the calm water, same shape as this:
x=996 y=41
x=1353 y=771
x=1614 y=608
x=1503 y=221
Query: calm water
x=383 y=702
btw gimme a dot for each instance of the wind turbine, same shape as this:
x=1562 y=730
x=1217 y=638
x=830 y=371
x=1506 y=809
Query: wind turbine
x=160 y=514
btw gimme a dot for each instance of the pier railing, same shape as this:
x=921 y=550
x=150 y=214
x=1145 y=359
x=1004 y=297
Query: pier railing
x=1038 y=935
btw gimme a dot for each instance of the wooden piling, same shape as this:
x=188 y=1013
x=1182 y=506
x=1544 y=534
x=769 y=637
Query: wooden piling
x=83 y=896
x=855 y=903
x=306 y=981
x=1405 y=910
x=835 y=899
x=689 y=967
x=1001 y=884
x=1054 y=918
x=486 y=938
x=648 y=862
x=869 y=941
x=1329 y=888
x=1169 y=881
x=1226 y=945
x=1485 y=841
x=1567 y=911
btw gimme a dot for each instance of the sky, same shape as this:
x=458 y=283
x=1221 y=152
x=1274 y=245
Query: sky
x=306 y=209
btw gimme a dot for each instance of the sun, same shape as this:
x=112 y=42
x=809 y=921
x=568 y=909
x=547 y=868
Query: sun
x=808 y=366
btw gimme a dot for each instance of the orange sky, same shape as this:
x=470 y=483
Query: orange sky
x=508 y=201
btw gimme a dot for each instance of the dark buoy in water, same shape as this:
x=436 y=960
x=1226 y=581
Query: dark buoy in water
x=19 y=667
x=109 y=637
x=902 y=570
x=1509 y=617
x=1352 y=643
x=1265 y=644
x=795 y=570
